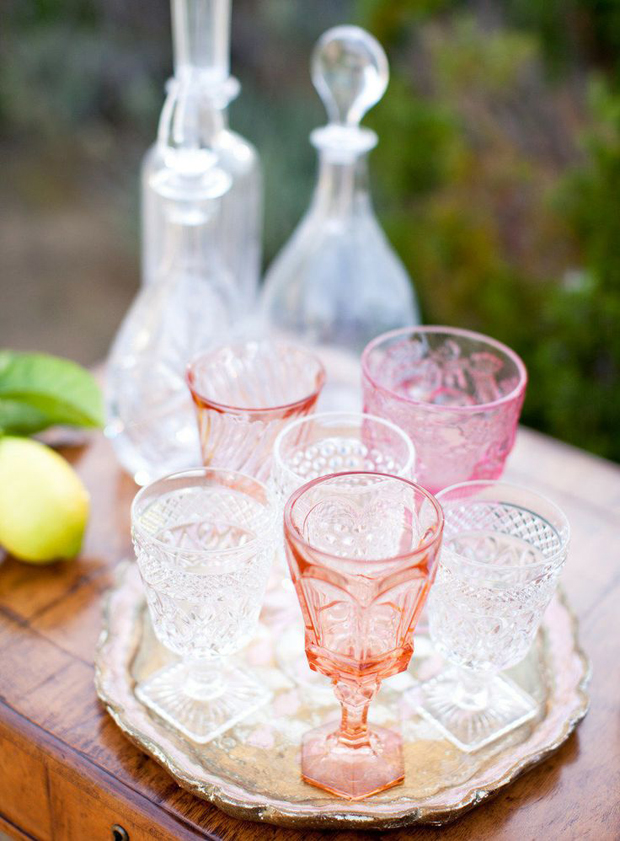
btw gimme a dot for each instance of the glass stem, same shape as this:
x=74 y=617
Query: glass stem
x=472 y=690
x=354 y=700
x=204 y=679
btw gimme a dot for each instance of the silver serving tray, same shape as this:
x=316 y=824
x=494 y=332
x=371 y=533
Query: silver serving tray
x=252 y=771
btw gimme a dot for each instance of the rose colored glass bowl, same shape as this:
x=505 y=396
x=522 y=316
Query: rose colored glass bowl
x=362 y=549
x=456 y=393
x=244 y=394
x=319 y=445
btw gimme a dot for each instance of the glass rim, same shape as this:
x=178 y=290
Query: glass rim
x=513 y=395
x=196 y=472
x=364 y=416
x=564 y=534
x=290 y=528
x=243 y=410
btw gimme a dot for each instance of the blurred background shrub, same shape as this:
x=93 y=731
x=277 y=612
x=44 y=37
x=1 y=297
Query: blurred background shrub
x=497 y=176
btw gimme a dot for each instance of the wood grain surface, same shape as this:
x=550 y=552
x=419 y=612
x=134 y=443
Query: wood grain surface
x=67 y=773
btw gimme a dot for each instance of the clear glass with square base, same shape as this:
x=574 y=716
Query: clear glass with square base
x=204 y=545
x=504 y=548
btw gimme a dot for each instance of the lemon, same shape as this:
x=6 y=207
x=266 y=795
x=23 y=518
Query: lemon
x=43 y=504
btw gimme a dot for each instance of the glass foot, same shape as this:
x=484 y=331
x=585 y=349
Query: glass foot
x=202 y=718
x=353 y=773
x=471 y=727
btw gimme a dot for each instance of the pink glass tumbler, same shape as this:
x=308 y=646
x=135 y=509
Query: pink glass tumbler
x=362 y=549
x=457 y=394
x=244 y=394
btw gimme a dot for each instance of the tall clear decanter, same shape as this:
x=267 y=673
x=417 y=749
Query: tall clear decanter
x=338 y=283
x=197 y=225
x=201 y=41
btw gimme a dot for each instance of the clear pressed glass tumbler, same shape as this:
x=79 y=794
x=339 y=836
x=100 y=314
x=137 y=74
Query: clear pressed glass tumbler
x=244 y=394
x=457 y=394
x=504 y=548
x=333 y=442
x=204 y=541
x=361 y=549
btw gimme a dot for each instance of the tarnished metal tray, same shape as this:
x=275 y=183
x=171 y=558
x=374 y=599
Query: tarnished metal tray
x=252 y=771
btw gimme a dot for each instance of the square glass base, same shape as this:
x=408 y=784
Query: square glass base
x=201 y=719
x=470 y=728
x=354 y=773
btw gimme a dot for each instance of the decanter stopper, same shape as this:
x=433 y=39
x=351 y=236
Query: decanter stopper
x=350 y=72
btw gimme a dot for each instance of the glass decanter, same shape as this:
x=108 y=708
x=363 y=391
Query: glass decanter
x=338 y=283
x=188 y=306
x=201 y=41
x=201 y=248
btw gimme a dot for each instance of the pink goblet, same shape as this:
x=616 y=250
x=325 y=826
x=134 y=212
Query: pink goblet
x=244 y=394
x=457 y=394
x=362 y=549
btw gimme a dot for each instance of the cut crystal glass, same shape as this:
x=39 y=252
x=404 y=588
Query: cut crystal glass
x=244 y=394
x=204 y=542
x=457 y=394
x=504 y=549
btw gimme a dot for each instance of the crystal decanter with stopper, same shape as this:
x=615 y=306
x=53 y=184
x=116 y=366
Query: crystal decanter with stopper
x=338 y=283
x=200 y=240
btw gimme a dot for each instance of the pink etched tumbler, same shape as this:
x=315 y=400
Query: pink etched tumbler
x=457 y=394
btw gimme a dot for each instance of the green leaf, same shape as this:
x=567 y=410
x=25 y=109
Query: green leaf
x=20 y=418
x=49 y=391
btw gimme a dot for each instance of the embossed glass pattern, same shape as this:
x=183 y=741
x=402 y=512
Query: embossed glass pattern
x=361 y=549
x=244 y=394
x=504 y=548
x=333 y=442
x=204 y=544
x=457 y=394
x=324 y=443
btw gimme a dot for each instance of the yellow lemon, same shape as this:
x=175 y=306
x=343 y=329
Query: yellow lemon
x=43 y=504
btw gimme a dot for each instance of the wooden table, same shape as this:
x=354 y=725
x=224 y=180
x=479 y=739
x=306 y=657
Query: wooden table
x=68 y=773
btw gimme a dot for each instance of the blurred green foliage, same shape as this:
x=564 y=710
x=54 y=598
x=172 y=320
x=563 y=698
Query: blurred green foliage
x=497 y=175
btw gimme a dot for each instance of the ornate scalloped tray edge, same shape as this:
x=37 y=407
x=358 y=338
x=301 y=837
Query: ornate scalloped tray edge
x=251 y=772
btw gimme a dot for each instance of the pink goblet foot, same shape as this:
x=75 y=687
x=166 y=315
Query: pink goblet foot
x=354 y=773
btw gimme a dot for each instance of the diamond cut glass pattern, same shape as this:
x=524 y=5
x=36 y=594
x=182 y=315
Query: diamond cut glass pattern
x=361 y=549
x=504 y=548
x=204 y=542
x=457 y=394
x=244 y=394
